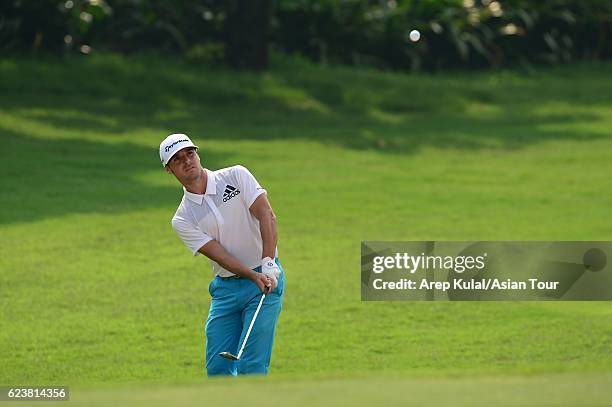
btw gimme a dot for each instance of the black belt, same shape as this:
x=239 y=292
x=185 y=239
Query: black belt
x=231 y=277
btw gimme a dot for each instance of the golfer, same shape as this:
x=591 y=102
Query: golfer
x=225 y=215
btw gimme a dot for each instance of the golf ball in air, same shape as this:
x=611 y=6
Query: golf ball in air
x=414 y=35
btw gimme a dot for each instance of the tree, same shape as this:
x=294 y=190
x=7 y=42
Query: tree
x=247 y=33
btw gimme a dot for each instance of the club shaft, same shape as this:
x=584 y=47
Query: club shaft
x=246 y=337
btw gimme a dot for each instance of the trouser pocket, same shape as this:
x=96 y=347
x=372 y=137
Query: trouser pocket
x=211 y=286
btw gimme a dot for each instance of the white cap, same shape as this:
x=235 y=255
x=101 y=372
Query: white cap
x=171 y=145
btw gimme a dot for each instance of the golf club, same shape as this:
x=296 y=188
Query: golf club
x=228 y=355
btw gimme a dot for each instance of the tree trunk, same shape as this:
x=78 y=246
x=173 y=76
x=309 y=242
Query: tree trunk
x=246 y=34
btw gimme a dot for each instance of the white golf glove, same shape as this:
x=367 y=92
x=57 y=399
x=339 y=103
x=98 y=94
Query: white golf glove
x=270 y=269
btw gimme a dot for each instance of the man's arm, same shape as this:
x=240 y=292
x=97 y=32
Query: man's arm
x=262 y=210
x=213 y=250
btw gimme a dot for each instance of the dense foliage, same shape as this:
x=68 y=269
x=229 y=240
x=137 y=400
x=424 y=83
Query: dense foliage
x=456 y=33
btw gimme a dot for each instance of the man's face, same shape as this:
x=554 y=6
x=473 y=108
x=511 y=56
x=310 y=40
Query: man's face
x=185 y=165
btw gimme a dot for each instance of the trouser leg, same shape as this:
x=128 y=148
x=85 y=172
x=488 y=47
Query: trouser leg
x=258 y=350
x=223 y=329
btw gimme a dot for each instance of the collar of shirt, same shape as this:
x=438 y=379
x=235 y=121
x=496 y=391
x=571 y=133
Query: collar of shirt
x=211 y=188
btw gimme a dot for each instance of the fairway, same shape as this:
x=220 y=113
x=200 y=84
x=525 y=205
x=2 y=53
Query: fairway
x=549 y=390
x=96 y=289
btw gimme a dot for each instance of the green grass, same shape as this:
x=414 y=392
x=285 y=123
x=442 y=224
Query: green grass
x=545 y=390
x=96 y=288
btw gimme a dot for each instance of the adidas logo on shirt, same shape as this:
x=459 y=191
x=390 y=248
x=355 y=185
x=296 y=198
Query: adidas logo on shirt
x=230 y=192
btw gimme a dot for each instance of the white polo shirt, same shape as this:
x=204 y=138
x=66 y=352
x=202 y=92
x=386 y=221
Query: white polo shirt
x=222 y=214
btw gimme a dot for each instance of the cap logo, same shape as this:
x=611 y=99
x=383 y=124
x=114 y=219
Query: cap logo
x=175 y=143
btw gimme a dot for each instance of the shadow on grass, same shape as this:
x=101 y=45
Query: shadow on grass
x=48 y=178
x=348 y=108
x=117 y=97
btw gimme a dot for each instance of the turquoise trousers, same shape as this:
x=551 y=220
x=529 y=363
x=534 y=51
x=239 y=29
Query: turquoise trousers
x=234 y=302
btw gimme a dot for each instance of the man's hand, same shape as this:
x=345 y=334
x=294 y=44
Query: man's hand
x=264 y=282
x=270 y=269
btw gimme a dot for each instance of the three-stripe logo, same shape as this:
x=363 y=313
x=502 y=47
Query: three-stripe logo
x=230 y=192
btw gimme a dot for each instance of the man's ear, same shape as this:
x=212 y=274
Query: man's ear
x=168 y=170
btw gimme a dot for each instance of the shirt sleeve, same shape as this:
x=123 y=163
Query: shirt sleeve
x=248 y=185
x=193 y=237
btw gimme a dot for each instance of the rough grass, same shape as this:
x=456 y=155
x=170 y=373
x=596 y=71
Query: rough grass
x=96 y=288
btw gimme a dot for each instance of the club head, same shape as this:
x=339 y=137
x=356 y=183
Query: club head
x=228 y=355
